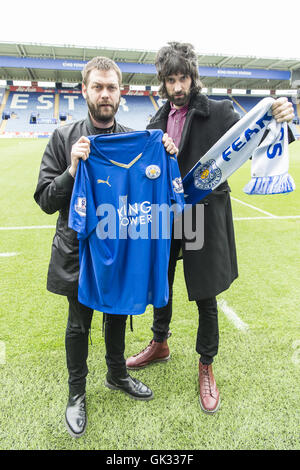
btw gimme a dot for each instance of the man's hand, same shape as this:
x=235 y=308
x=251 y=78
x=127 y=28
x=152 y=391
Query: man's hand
x=169 y=144
x=81 y=149
x=283 y=110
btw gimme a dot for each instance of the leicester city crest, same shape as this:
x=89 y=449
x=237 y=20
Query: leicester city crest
x=207 y=176
x=80 y=206
x=152 y=172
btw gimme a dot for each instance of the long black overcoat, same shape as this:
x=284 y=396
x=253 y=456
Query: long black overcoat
x=211 y=269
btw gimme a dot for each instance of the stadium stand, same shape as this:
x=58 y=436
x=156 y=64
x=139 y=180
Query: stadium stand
x=2 y=93
x=243 y=104
x=28 y=111
x=72 y=106
x=37 y=112
x=158 y=101
x=136 y=111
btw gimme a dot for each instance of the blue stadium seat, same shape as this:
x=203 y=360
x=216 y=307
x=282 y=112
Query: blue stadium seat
x=73 y=106
x=2 y=93
x=135 y=111
x=21 y=105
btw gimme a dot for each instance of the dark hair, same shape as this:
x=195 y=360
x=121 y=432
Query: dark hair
x=177 y=58
x=100 y=63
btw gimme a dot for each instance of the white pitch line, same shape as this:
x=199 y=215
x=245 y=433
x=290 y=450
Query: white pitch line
x=6 y=255
x=273 y=217
x=29 y=227
x=253 y=207
x=232 y=316
x=276 y=217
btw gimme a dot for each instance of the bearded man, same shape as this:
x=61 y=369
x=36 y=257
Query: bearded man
x=196 y=123
x=67 y=145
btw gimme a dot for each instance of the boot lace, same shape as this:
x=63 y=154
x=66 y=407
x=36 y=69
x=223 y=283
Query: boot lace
x=144 y=350
x=206 y=381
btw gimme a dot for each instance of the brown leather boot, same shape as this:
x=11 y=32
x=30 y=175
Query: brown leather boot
x=154 y=352
x=209 y=394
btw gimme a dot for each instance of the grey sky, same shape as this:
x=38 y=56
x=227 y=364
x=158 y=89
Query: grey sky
x=256 y=28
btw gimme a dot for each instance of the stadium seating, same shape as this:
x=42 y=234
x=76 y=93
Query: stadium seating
x=40 y=112
x=2 y=92
x=22 y=106
x=73 y=106
x=243 y=104
x=135 y=111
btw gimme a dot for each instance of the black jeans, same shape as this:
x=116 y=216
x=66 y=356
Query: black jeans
x=207 y=342
x=76 y=342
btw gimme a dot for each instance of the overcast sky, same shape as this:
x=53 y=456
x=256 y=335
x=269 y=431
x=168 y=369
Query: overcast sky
x=249 y=28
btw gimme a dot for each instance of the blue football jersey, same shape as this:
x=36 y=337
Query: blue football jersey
x=123 y=203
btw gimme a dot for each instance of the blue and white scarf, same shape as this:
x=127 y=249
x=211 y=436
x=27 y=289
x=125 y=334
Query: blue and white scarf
x=270 y=159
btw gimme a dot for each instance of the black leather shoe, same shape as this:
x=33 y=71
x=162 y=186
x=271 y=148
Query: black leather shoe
x=75 y=417
x=133 y=387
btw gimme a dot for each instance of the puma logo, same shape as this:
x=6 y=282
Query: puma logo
x=105 y=182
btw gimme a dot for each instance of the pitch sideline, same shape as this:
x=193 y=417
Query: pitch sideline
x=253 y=207
x=42 y=227
x=232 y=316
x=7 y=255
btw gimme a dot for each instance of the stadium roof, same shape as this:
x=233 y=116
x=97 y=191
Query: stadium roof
x=124 y=56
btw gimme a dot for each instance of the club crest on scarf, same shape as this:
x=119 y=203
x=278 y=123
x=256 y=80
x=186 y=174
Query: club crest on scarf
x=207 y=176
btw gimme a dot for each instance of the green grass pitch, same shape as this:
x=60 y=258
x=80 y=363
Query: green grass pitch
x=257 y=368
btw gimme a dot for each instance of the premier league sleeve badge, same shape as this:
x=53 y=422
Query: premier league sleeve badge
x=177 y=185
x=80 y=206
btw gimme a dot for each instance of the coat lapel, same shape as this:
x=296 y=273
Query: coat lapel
x=199 y=105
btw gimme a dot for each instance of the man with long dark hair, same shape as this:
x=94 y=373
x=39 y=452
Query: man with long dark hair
x=196 y=123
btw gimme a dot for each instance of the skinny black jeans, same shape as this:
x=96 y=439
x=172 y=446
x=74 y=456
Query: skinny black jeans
x=77 y=339
x=207 y=341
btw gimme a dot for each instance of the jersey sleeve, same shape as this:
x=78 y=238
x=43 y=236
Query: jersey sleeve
x=82 y=214
x=175 y=183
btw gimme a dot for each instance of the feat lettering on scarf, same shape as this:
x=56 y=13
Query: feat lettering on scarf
x=270 y=158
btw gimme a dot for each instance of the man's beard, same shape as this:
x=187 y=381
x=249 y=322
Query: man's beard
x=179 y=100
x=100 y=113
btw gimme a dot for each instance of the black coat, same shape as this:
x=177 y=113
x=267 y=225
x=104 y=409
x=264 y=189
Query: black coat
x=53 y=193
x=212 y=269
